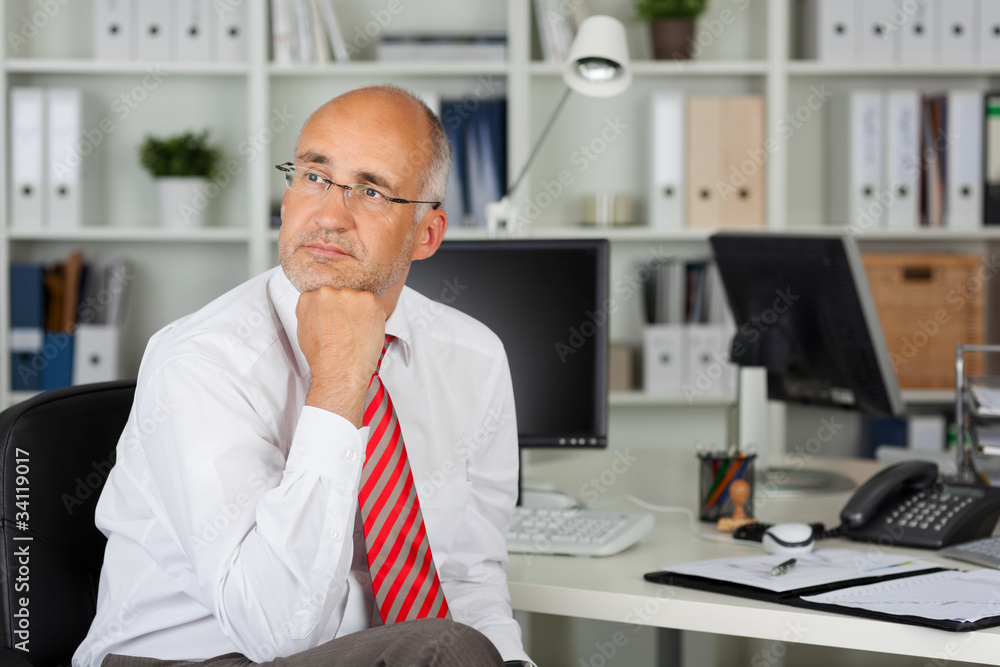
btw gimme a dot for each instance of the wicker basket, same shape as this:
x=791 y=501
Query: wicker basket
x=928 y=304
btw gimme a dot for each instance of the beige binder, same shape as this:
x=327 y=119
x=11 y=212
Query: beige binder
x=744 y=162
x=704 y=156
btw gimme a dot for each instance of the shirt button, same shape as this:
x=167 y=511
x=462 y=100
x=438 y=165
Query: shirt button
x=358 y=536
x=332 y=535
x=362 y=578
x=351 y=454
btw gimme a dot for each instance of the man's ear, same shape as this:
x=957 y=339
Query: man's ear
x=432 y=228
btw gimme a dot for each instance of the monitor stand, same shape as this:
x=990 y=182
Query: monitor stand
x=754 y=434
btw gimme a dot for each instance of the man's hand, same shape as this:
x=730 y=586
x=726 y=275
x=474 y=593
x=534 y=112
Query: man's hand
x=341 y=332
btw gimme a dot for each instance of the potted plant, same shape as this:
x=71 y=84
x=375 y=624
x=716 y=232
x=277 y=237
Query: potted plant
x=180 y=165
x=672 y=25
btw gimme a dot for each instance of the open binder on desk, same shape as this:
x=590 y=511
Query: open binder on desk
x=850 y=582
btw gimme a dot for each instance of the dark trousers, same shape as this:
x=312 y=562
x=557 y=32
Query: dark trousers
x=423 y=643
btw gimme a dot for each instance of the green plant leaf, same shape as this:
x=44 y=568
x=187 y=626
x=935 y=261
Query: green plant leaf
x=185 y=154
x=651 y=10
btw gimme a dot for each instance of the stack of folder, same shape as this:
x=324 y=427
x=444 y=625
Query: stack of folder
x=708 y=161
x=687 y=331
x=195 y=30
x=46 y=159
x=308 y=31
x=66 y=320
x=913 y=160
x=915 y=32
x=477 y=132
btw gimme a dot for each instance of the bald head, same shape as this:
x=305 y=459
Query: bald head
x=393 y=109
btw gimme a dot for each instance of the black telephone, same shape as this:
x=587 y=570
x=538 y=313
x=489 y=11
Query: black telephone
x=906 y=505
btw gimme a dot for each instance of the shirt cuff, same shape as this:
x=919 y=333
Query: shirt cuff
x=328 y=445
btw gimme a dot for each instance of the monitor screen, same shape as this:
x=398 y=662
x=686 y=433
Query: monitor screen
x=804 y=311
x=547 y=300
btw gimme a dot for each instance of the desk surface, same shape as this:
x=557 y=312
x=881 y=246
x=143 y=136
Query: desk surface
x=612 y=589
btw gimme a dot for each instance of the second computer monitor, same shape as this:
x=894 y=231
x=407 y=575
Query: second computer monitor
x=804 y=311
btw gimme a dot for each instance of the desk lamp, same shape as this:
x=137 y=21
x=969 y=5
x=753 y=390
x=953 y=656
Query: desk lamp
x=597 y=66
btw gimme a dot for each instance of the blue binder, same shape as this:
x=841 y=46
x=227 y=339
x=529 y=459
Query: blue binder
x=27 y=320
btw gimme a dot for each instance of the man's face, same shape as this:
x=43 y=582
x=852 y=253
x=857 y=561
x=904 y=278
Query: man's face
x=367 y=140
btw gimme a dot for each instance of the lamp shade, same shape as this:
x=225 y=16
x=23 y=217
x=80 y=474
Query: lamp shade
x=598 y=63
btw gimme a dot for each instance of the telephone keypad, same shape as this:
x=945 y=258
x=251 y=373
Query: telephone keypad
x=928 y=510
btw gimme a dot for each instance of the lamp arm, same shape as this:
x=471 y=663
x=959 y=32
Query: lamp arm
x=538 y=143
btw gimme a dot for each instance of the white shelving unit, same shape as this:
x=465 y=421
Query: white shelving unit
x=255 y=109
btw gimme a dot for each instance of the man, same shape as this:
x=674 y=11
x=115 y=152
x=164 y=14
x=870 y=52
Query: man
x=262 y=504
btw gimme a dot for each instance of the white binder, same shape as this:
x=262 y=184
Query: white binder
x=112 y=29
x=878 y=34
x=957 y=30
x=193 y=30
x=281 y=31
x=64 y=162
x=707 y=371
x=902 y=125
x=830 y=30
x=95 y=353
x=919 y=34
x=152 y=25
x=27 y=155
x=663 y=358
x=964 y=177
x=667 y=188
x=231 y=26
x=865 y=163
x=989 y=31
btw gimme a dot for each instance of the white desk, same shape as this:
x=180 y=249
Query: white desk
x=612 y=589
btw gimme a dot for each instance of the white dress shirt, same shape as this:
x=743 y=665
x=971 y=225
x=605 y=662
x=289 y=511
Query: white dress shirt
x=232 y=510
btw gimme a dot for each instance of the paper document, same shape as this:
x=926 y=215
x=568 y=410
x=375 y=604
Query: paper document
x=824 y=566
x=987 y=399
x=945 y=596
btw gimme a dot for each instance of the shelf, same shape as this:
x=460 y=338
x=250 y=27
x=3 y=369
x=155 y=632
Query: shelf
x=392 y=68
x=135 y=234
x=673 y=68
x=641 y=399
x=928 y=396
x=812 y=68
x=634 y=233
x=124 y=67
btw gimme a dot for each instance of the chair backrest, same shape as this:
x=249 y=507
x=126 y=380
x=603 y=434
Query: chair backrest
x=56 y=450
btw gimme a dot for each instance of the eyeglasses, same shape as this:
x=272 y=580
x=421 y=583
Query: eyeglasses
x=357 y=197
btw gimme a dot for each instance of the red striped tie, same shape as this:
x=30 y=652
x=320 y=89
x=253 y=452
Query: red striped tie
x=404 y=578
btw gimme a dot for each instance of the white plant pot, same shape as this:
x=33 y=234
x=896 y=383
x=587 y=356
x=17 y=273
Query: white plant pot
x=181 y=201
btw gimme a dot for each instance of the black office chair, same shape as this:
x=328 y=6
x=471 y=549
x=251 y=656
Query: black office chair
x=55 y=453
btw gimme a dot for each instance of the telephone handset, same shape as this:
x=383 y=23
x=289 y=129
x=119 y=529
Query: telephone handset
x=906 y=505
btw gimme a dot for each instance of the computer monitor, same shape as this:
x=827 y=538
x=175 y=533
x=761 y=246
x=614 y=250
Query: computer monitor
x=547 y=300
x=804 y=312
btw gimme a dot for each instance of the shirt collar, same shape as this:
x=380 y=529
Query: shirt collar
x=398 y=325
x=285 y=298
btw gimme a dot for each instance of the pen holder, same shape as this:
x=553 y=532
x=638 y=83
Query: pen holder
x=717 y=472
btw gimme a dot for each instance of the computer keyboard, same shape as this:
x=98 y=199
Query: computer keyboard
x=984 y=551
x=575 y=532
